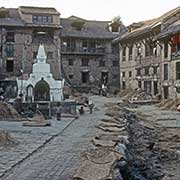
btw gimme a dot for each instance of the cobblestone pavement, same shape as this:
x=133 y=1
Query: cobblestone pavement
x=27 y=141
x=59 y=158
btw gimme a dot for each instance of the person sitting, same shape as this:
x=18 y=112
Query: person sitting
x=81 y=110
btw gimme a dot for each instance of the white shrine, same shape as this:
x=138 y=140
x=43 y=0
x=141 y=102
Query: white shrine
x=41 y=86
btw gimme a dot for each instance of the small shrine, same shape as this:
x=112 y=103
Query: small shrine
x=41 y=86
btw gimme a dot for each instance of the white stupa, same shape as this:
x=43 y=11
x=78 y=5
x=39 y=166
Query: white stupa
x=41 y=86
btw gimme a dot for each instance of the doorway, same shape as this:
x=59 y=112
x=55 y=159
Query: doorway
x=9 y=65
x=166 y=92
x=155 y=87
x=42 y=91
x=104 y=78
x=85 y=77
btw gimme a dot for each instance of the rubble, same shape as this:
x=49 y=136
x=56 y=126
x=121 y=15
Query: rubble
x=97 y=164
x=137 y=96
x=37 y=121
x=169 y=104
x=102 y=162
x=6 y=139
x=8 y=113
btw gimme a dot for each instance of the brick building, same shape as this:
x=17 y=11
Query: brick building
x=88 y=55
x=21 y=32
x=82 y=49
x=146 y=54
x=170 y=64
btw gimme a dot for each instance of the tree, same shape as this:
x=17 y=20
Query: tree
x=116 y=19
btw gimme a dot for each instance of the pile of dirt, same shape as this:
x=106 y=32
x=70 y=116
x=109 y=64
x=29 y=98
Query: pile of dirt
x=6 y=139
x=97 y=164
x=126 y=94
x=79 y=98
x=135 y=95
x=38 y=120
x=114 y=111
x=169 y=104
x=140 y=95
x=7 y=112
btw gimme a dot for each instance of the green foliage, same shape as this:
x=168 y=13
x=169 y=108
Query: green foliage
x=116 y=19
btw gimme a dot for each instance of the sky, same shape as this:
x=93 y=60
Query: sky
x=129 y=10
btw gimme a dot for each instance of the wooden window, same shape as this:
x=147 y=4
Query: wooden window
x=50 y=55
x=165 y=50
x=70 y=62
x=102 y=63
x=34 y=18
x=84 y=62
x=42 y=19
x=138 y=72
x=130 y=52
x=146 y=71
x=34 y=55
x=9 y=50
x=115 y=63
x=165 y=71
x=123 y=85
x=124 y=54
x=71 y=76
x=9 y=65
x=85 y=77
x=178 y=70
x=154 y=70
x=10 y=36
x=130 y=73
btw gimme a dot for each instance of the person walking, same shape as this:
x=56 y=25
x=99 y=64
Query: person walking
x=91 y=106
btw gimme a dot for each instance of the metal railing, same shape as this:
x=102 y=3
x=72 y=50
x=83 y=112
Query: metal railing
x=100 y=50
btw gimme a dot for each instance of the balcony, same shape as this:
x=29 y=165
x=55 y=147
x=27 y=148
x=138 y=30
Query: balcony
x=83 y=50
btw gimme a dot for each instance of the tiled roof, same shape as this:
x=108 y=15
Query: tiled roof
x=11 y=22
x=172 y=29
x=38 y=10
x=148 y=25
x=91 y=29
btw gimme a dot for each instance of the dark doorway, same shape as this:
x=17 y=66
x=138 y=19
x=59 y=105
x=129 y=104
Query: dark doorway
x=9 y=65
x=42 y=91
x=123 y=85
x=29 y=93
x=155 y=87
x=166 y=92
x=139 y=84
x=104 y=78
x=85 y=77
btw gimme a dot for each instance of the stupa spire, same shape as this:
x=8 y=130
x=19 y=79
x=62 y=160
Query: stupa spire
x=41 y=56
